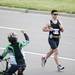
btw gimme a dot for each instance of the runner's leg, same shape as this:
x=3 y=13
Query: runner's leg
x=56 y=56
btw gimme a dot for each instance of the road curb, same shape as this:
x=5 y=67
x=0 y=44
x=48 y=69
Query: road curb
x=34 y=11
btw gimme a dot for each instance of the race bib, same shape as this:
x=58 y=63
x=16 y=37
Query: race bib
x=12 y=60
x=56 y=31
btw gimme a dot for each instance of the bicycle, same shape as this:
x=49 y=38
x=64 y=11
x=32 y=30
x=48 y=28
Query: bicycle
x=6 y=66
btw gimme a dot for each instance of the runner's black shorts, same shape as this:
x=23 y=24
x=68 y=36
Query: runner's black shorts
x=53 y=42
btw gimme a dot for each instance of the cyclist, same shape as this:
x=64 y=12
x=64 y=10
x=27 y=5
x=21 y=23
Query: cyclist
x=14 y=50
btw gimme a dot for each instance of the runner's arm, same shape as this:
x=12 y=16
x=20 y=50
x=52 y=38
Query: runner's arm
x=47 y=28
x=61 y=28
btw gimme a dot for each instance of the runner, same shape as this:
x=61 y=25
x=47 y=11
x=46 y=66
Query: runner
x=14 y=50
x=54 y=28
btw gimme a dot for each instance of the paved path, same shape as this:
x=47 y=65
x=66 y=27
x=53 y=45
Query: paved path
x=32 y=24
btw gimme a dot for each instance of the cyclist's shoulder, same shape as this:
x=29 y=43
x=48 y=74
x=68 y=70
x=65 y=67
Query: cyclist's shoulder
x=9 y=46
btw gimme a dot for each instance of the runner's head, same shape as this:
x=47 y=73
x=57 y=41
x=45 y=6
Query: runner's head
x=54 y=14
x=12 y=38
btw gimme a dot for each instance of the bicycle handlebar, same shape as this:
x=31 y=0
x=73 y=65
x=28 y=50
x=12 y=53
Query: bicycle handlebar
x=6 y=59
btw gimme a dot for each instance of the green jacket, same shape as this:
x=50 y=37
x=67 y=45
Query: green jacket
x=15 y=51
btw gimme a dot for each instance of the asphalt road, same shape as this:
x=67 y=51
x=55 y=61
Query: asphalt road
x=32 y=24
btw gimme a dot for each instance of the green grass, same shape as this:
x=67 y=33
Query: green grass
x=43 y=5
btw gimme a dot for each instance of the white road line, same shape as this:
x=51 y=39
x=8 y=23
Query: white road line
x=39 y=54
x=2 y=27
x=26 y=52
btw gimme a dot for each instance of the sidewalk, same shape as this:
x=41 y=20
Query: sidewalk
x=34 y=11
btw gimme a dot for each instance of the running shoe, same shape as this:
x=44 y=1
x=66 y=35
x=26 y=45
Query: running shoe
x=60 y=68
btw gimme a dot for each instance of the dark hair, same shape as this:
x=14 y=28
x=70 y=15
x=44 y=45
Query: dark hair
x=52 y=12
x=12 y=39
